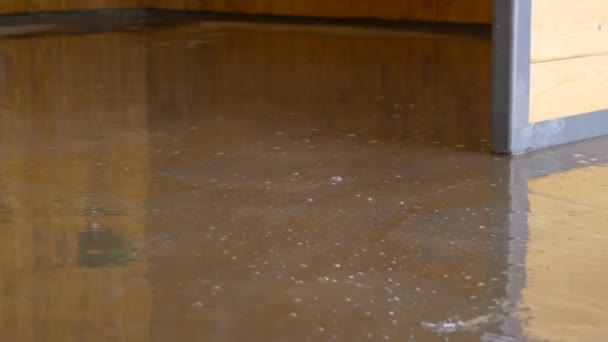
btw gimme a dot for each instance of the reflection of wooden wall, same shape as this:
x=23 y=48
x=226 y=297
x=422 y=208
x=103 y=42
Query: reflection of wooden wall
x=479 y=11
x=55 y=169
x=238 y=86
x=427 y=80
x=566 y=256
x=145 y=90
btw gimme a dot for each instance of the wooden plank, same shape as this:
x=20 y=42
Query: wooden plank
x=421 y=9
x=470 y=11
x=569 y=87
x=564 y=29
x=25 y=6
x=13 y=6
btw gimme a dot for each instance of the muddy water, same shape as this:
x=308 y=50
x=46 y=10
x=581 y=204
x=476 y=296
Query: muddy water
x=223 y=182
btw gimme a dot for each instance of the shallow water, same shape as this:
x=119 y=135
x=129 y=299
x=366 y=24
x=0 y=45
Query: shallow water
x=225 y=182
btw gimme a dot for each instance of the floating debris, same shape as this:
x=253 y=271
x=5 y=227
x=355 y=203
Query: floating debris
x=459 y=325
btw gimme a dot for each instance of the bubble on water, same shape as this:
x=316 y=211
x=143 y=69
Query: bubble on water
x=323 y=279
x=198 y=304
x=293 y=315
x=336 y=179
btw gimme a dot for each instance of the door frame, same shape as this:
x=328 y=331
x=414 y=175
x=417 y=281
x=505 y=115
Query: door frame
x=511 y=131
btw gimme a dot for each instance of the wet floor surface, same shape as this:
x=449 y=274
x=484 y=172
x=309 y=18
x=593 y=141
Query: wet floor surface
x=226 y=182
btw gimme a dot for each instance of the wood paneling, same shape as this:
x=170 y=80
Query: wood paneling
x=569 y=56
x=474 y=11
x=569 y=28
x=568 y=87
x=477 y=11
x=24 y=6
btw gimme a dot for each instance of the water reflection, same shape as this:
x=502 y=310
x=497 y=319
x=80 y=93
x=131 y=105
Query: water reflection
x=219 y=182
x=565 y=255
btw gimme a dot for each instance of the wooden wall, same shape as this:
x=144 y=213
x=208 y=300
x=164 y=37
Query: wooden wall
x=23 y=6
x=475 y=11
x=569 y=71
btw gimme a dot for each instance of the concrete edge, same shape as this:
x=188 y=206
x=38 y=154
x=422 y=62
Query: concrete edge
x=567 y=130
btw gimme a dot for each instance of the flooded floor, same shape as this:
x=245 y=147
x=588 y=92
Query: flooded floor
x=226 y=182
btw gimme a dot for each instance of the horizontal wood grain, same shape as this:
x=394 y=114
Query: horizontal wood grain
x=568 y=87
x=471 y=11
x=26 y=6
x=564 y=29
